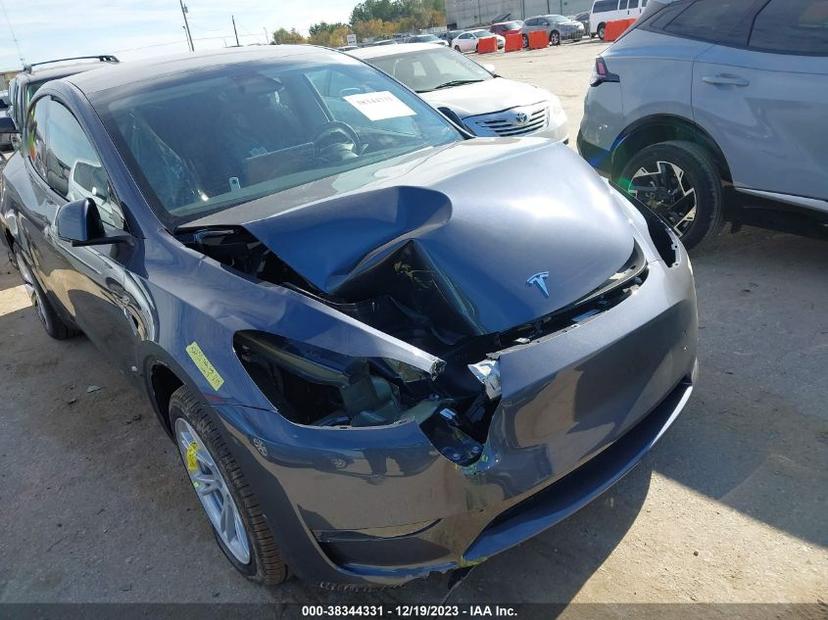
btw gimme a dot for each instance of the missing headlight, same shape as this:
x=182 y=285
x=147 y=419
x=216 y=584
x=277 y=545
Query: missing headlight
x=316 y=387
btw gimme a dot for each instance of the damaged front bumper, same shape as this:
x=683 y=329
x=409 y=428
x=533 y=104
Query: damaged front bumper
x=579 y=409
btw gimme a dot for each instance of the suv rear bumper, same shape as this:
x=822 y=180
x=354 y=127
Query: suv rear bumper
x=595 y=156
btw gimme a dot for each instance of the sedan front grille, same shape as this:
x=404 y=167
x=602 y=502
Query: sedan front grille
x=514 y=122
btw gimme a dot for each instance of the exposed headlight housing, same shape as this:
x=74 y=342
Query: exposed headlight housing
x=488 y=373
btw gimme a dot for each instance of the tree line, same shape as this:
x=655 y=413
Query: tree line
x=371 y=19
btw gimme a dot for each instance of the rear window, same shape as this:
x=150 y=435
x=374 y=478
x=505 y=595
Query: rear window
x=717 y=21
x=792 y=26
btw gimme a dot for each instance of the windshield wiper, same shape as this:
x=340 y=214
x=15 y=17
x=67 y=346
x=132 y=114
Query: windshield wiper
x=450 y=84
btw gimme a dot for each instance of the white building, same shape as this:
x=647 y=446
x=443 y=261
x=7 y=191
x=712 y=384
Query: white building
x=467 y=13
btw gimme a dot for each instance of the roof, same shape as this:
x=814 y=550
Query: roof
x=133 y=74
x=365 y=53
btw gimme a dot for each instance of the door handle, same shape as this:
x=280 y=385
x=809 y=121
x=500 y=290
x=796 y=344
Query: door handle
x=725 y=80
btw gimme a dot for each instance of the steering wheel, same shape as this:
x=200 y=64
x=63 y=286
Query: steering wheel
x=329 y=143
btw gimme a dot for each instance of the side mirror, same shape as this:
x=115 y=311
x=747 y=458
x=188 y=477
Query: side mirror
x=7 y=125
x=80 y=224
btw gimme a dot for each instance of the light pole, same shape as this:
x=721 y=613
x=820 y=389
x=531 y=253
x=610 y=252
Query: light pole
x=235 y=32
x=186 y=25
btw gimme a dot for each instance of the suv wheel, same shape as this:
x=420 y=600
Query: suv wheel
x=601 y=31
x=240 y=528
x=49 y=318
x=679 y=181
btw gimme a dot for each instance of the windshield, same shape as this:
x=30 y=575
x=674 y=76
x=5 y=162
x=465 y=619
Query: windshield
x=430 y=70
x=205 y=143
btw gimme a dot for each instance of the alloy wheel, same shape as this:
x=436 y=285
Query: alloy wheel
x=667 y=190
x=31 y=289
x=212 y=491
x=555 y=38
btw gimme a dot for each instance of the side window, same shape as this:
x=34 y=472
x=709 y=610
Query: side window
x=73 y=168
x=717 y=21
x=632 y=4
x=798 y=26
x=606 y=5
x=36 y=135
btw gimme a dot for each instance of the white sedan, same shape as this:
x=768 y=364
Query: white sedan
x=467 y=41
x=471 y=95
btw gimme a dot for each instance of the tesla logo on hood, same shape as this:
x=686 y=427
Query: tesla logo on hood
x=539 y=280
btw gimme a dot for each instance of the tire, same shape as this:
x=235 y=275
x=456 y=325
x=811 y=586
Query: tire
x=554 y=38
x=601 y=31
x=699 y=174
x=49 y=318
x=526 y=40
x=265 y=565
x=457 y=49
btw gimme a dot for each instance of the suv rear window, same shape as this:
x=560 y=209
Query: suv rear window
x=717 y=21
x=797 y=26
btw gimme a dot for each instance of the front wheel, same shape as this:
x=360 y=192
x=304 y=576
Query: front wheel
x=526 y=40
x=457 y=48
x=679 y=181
x=601 y=31
x=231 y=507
x=554 y=38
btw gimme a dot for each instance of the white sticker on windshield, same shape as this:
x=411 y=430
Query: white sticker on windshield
x=379 y=106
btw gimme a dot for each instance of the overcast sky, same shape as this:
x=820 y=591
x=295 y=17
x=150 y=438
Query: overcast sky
x=48 y=29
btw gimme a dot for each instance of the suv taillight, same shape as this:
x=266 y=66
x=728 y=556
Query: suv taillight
x=601 y=74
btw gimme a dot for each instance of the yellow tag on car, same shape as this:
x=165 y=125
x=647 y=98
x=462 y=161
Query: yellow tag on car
x=192 y=461
x=203 y=364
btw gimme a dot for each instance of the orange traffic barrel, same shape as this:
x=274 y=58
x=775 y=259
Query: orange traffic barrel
x=486 y=45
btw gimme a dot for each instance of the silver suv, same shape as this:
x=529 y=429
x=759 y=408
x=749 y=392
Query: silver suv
x=713 y=110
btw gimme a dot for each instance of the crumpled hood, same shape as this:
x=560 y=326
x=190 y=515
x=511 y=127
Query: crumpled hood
x=486 y=97
x=471 y=222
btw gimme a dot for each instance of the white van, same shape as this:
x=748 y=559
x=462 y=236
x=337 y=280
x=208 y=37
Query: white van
x=604 y=11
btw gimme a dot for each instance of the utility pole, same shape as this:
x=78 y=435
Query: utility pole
x=235 y=32
x=184 y=12
x=267 y=38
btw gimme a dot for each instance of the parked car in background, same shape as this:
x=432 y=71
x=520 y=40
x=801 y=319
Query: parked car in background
x=450 y=35
x=604 y=11
x=583 y=19
x=709 y=111
x=347 y=48
x=504 y=28
x=471 y=95
x=557 y=27
x=467 y=41
x=381 y=42
x=5 y=139
x=427 y=38
x=26 y=83
x=381 y=349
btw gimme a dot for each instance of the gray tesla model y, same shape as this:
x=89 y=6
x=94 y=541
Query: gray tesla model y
x=383 y=347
